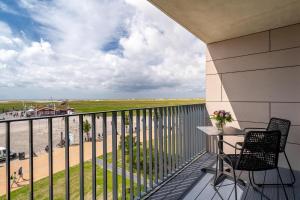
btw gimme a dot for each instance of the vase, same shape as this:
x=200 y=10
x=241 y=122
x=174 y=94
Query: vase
x=220 y=126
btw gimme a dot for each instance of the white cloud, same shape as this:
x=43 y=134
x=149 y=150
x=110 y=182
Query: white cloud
x=156 y=57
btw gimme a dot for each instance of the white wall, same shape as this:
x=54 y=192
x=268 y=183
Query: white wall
x=257 y=77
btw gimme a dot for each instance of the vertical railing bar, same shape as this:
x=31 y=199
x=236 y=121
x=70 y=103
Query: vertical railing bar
x=138 y=140
x=104 y=135
x=31 y=193
x=190 y=133
x=67 y=159
x=184 y=134
x=114 y=156
x=144 y=150
x=173 y=138
x=94 y=175
x=197 y=132
x=169 y=141
x=81 y=157
x=155 y=146
x=123 y=137
x=194 y=127
x=161 y=158
x=201 y=124
x=150 y=148
x=131 y=155
x=50 y=157
x=180 y=134
x=177 y=138
x=7 y=160
x=165 y=143
x=193 y=132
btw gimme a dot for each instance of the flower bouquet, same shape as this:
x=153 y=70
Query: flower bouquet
x=221 y=117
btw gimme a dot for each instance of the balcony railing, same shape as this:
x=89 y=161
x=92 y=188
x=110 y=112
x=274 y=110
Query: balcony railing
x=161 y=141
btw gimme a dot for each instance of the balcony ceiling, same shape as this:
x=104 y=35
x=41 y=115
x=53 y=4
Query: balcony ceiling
x=217 y=20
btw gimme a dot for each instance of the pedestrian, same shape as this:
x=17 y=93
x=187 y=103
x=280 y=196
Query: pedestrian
x=20 y=174
x=14 y=179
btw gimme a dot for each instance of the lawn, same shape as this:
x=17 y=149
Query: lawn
x=104 y=105
x=41 y=186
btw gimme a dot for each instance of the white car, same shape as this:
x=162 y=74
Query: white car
x=3 y=154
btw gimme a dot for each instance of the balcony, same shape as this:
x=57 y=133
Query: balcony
x=109 y=163
x=62 y=161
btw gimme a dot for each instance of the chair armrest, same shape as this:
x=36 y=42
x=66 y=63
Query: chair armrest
x=223 y=141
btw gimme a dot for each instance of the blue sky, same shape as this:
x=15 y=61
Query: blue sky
x=96 y=49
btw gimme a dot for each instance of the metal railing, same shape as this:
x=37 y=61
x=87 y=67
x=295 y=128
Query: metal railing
x=165 y=138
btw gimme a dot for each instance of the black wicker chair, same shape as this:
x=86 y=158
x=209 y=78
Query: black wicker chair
x=283 y=126
x=259 y=152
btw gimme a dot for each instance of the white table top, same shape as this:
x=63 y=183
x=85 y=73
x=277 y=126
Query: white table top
x=214 y=131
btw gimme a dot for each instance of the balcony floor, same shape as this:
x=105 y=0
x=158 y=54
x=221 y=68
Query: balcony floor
x=192 y=184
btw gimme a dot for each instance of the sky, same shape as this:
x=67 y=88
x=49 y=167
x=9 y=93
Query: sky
x=96 y=49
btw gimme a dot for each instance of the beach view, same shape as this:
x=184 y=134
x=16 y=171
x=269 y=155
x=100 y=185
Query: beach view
x=19 y=132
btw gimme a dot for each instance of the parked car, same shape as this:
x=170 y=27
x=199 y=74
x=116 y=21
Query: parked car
x=3 y=154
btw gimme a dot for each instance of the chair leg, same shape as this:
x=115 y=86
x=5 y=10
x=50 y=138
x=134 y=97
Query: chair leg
x=286 y=196
x=235 y=189
x=255 y=188
x=216 y=174
x=291 y=172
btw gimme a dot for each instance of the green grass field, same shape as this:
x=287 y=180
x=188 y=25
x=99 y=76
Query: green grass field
x=41 y=187
x=104 y=105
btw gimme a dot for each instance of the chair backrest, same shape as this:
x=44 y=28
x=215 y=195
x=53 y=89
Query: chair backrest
x=260 y=151
x=283 y=125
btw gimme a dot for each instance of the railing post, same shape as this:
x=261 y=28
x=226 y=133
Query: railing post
x=138 y=152
x=114 y=156
x=165 y=143
x=131 y=155
x=31 y=193
x=67 y=159
x=145 y=150
x=81 y=157
x=180 y=135
x=185 y=133
x=169 y=142
x=155 y=146
x=177 y=137
x=161 y=165
x=123 y=138
x=173 y=130
x=8 y=160
x=94 y=155
x=104 y=135
x=50 y=157
x=150 y=147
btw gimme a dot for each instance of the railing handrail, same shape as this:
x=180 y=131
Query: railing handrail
x=98 y=112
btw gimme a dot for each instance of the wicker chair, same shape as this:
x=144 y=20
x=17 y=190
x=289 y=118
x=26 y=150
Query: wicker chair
x=260 y=152
x=283 y=126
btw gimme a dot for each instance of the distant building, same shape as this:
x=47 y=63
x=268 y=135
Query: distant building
x=46 y=111
x=51 y=109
